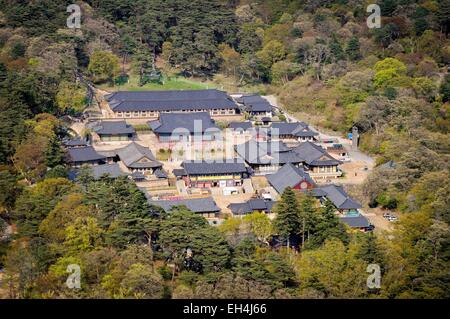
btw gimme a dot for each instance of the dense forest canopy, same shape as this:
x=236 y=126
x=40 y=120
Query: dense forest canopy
x=324 y=64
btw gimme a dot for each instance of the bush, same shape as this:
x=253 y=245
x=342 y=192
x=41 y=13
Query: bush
x=141 y=127
x=165 y=272
x=387 y=201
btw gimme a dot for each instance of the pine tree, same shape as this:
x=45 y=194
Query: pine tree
x=388 y=7
x=336 y=49
x=288 y=222
x=54 y=155
x=308 y=216
x=443 y=15
x=353 y=50
x=327 y=226
x=445 y=89
x=370 y=251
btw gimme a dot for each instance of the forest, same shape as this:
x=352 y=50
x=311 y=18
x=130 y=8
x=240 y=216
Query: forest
x=322 y=62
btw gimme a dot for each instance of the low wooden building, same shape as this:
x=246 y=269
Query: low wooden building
x=296 y=132
x=267 y=157
x=291 y=176
x=138 y=158
x=256 y=106
x=78 y=156
x=175 y=127
x=227 y=173
x=150 y=104
x=206 y=207
x=251 y=206
x=111 y=131
x=320 y=165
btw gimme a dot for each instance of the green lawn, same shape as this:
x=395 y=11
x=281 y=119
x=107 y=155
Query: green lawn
x=175 y=83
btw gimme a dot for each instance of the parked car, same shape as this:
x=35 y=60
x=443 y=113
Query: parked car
x=392 y=218
x=389 y=216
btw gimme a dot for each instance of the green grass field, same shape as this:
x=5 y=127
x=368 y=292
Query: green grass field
x=174 y=83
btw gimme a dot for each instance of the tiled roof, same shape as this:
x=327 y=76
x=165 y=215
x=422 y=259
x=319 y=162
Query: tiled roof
x=84 y=154
x=260 y=107
x=138 y=175
x=338 y=196
x=224 y=167
x=313 y=154
x=160 y=173
x=250 y=99
x=179 y=172
x=240 y=125
x=166 y=95
x=355 y=221
x=75 y=142
x=388 y=165
x=255 y=103
x=255 y=204
x=113 y=128
x=274 y=152
x=184 y=122
x=299 y=129
x=170 y=100
x=288 y=176
x=196 y=205
x=133 y=153
x=111 y=170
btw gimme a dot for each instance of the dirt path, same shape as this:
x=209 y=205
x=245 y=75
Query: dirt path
x=375 y=216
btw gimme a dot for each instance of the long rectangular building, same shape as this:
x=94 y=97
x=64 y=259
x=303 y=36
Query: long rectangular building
x=149 y=104
x=204 y=174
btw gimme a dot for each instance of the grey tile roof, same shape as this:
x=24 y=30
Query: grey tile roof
x=255 y=103
x=170 y=100
x=161 y=106
x=133 y=153
x=338 y=196
x=179 y=172
x=168 y=95
x=388 y=165
x=196 y=205
x=137 y=175
x=240 y=125
x=84 y=154
x=274 y=152
x=299 y=129
x=254 y=204
x=288 y=176
x=250 y=99
x=234 y=166
x=317 y=192
x=75 y=142
x=108 y=154
x=260 y=107
x=111 y=170
x=184 y=122
x=160 y=173
x=113 y=128
x=355 y=221
x=313 y=154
